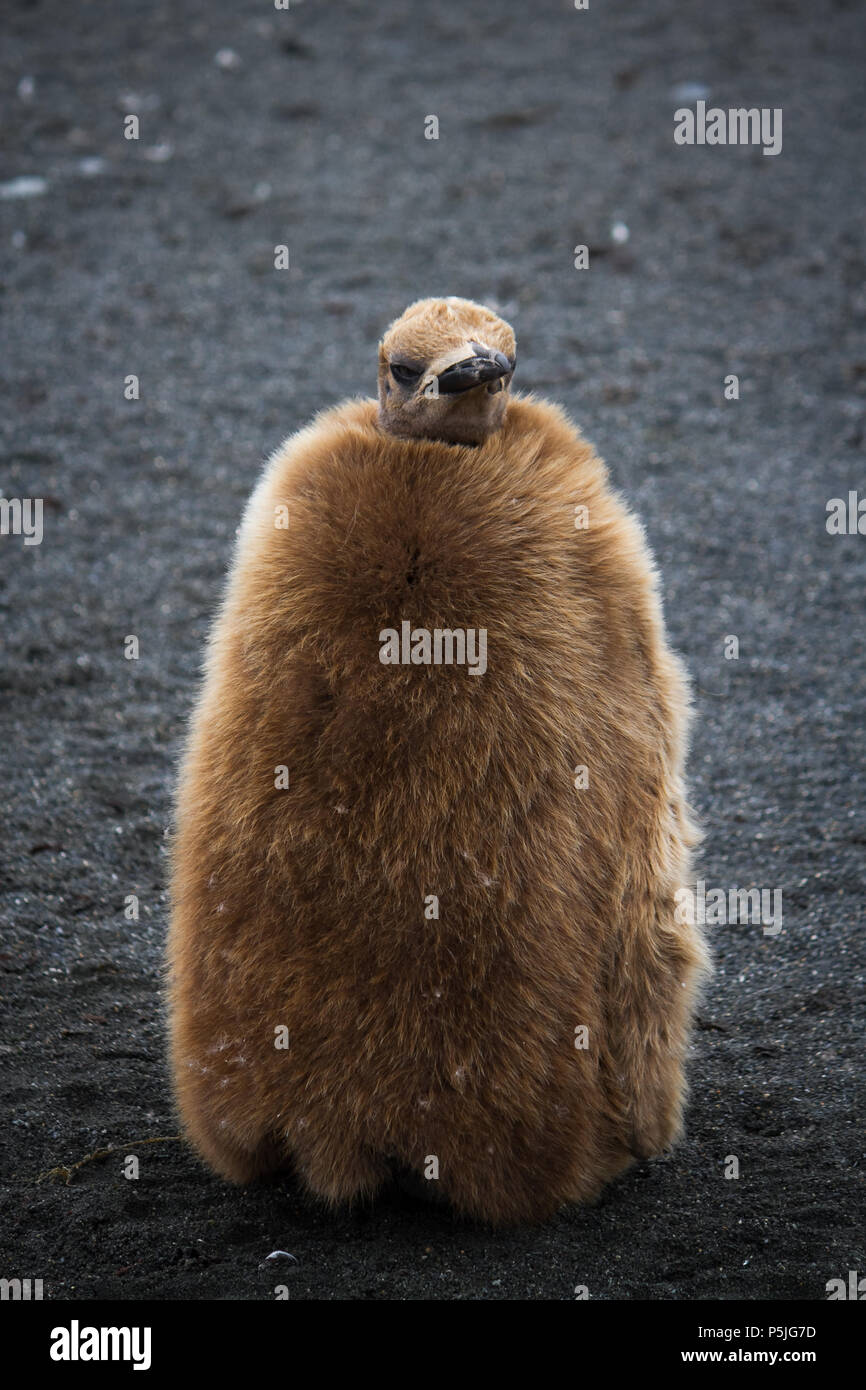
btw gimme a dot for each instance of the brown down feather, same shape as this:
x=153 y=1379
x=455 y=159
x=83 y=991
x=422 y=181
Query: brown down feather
x=306 y=908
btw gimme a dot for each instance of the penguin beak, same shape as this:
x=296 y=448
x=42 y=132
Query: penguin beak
x=473 y=371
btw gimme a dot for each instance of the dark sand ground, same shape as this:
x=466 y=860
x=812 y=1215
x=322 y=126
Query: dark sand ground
x=158 y=261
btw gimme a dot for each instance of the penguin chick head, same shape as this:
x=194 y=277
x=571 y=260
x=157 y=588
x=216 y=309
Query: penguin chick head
x=445 y=367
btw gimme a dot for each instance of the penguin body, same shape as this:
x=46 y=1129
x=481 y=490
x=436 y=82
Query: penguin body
x=424 y=913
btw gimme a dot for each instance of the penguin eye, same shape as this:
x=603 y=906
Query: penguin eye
x=405 y=375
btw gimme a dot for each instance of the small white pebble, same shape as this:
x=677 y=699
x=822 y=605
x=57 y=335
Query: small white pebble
x=690 y=91
x=26 y=186
x=138 y=101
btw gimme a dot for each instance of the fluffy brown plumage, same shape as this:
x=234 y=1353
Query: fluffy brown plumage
x=309 y=908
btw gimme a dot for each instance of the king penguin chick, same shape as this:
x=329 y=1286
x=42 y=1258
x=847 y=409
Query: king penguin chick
x=431 y=821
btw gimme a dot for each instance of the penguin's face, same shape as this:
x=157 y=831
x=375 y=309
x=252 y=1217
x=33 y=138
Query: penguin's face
x=445 y=367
